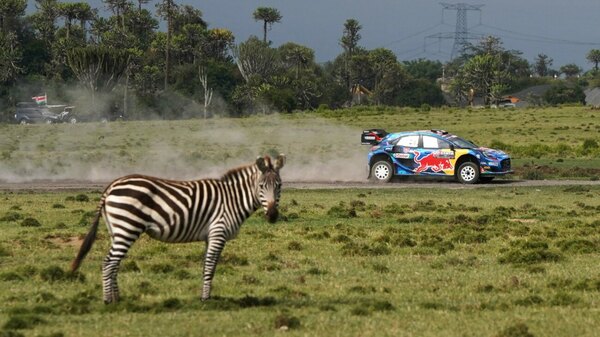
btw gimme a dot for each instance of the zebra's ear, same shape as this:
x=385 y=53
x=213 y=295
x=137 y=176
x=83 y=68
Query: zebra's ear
x=262 y=165
x=279 y=162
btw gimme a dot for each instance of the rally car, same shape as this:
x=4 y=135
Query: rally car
x=432 y=153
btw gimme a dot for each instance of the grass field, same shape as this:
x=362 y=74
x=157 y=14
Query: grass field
x=492 y=261
x=544 y=143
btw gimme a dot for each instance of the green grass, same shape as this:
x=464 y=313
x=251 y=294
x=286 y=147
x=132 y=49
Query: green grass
x=492 y=261
x=559 y=142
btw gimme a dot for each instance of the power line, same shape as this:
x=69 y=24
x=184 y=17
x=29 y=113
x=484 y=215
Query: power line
x=539 y=38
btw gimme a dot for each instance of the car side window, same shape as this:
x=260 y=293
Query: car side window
x=430 y=142
x=408 y=141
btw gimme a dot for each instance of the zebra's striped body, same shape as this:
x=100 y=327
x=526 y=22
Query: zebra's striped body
x=210 y=210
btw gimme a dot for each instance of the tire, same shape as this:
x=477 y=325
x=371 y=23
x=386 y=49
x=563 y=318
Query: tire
x=48 y=121
x=73 y=120
x=23 y=121
x=382 y=171
x=468 y=173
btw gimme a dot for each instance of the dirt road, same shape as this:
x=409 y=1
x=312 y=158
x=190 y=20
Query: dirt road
x=73 y=185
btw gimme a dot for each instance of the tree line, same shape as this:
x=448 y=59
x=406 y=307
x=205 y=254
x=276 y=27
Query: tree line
x=123 y=61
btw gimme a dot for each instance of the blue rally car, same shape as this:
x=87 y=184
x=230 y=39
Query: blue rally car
x=432 y=153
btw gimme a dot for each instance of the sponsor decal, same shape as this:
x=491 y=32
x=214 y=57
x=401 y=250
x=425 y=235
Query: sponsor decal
x=446 y=154
x=430 y=162
x=401 y=155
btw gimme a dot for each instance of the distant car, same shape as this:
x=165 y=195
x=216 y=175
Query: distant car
x=31 y=112
x=431 y=153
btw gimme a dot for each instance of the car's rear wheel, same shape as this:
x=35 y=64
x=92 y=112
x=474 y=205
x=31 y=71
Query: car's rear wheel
x=48 y=121
x=468 y=173
x=382 y=172
x=23 y=121
x=73 y=120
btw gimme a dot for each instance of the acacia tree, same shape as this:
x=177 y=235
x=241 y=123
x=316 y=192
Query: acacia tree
x=593 y=56
x=268 y=16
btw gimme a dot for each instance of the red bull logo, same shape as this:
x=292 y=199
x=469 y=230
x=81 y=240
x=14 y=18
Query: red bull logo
x=432 y=162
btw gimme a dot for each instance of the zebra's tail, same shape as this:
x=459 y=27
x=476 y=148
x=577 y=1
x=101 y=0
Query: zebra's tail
x=89 y=239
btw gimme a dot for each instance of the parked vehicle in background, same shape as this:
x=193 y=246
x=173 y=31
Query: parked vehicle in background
x=31 y=112
x=431 y=153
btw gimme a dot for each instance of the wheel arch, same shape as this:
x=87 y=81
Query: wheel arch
x=465 y=158
x=379 y=157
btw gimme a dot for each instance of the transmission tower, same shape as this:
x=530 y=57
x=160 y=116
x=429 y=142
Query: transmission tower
x=461 y=33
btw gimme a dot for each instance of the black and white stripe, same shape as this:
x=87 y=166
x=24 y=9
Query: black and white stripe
x=210 y=210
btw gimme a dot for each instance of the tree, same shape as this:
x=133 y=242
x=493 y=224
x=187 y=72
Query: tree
x=255 y=60
x=425 y=69
x=296 y=57
x=208 y=91
x=268 y=16
x=349 y=42
x=118 y=7
x=167 y=9
x=593 y=56
x=10 y=11
x=483 y=74
x=570 y=70
x=351 y=36
x=98 y=69
x=10 y=57
x=542 y=65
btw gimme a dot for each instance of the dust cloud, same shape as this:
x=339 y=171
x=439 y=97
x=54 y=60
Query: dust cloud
x=316 y=149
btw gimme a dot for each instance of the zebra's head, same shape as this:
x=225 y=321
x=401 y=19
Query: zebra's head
x=269 y=185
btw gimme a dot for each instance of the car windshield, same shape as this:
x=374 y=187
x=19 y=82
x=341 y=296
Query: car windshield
x=462 y=143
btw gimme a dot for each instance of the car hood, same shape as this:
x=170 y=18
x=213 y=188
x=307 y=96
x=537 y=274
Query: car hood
x=493 y=153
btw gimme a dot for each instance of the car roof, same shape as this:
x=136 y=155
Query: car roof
x=441 y=133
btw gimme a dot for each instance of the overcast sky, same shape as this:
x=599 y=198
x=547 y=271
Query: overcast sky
x=564 y=30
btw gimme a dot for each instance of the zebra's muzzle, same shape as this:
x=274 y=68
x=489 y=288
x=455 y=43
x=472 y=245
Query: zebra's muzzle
x=272 y=213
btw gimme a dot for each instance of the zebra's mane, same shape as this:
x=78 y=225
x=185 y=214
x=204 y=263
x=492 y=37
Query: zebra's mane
x=236 y=171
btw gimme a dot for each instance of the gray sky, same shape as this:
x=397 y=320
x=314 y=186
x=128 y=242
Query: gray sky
x=564 y=30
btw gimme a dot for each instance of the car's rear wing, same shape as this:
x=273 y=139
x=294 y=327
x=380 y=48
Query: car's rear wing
x=372 y=136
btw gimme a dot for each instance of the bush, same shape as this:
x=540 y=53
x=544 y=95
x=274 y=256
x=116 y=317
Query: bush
x=562 y=93
x=30 y=222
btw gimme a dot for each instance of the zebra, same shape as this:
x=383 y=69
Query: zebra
x=210 y=210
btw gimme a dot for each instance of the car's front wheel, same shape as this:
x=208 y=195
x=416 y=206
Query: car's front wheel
x=23 y=121
x=468 y=173
x=73 y=120
x=382 y=172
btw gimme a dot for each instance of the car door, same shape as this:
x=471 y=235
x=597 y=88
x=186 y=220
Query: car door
x=403 y=153
x=434 y=156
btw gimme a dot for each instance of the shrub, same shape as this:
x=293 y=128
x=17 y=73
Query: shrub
x=11 y=216
x=30 y=222
x=285 y=321
x=533 y=256
x=23 y=322
x=517 y=330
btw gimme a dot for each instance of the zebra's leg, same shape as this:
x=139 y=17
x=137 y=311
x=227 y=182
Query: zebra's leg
x=214 y=247
x=110 y=265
